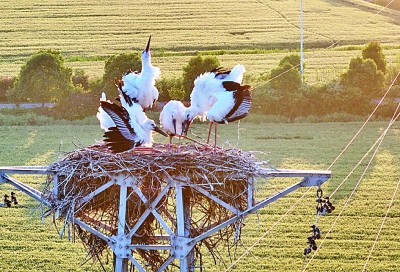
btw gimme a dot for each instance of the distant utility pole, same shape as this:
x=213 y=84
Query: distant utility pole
x=301 y=41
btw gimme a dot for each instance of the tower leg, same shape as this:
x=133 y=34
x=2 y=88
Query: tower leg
x=183 y=225
x=187 y=215
x=121 y=262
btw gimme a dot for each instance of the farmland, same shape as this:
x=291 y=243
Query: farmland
x=257 y=34
x=302 y=146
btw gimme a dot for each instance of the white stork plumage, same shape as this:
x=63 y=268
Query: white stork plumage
x=172 y=118
x=140 y=87
x=105 y=120
x=219 y=96
x=127 y=133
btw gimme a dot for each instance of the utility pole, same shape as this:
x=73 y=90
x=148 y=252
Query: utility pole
x=301 y=42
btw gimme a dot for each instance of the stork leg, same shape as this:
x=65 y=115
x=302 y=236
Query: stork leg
x=209 y=132
x=215 y=136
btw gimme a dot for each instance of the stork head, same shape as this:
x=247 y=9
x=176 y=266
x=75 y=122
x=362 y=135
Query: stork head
x=189 y=115
x=149 y=125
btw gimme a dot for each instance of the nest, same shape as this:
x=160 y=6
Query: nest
x=223 y=173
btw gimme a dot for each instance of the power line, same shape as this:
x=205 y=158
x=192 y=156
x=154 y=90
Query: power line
x=381 y=227
x=379 y=142
x=330 y=166
x=335 y=43
x=358 y=132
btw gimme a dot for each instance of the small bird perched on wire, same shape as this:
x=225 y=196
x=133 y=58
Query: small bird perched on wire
x=140 y=87
x=219 y=96
x=172 y=118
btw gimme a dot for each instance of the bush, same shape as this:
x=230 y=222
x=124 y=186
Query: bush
x=270 y=101
x=167 y=85
x=285 y=78
x=373 y=51
x=96 y=87
x=364 y=75
x=75 y=107
x=44 y=78
x=292 y=59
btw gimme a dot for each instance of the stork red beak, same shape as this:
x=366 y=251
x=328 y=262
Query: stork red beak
x=148 y=44
x=157 y=129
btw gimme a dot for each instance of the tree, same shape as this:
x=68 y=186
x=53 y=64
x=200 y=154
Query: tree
x=80 y=79
x=292 y=59
x=167 y=86
x=364 y=74
x=115 y=67
x=373 y=51
x=44 y=78
x=196 y=66
x=5 y=84
x=285 y=78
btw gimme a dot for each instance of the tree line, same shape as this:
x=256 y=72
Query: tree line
x=281 y=91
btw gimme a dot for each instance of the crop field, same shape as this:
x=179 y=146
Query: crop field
x=29 y=245
x=255 y=33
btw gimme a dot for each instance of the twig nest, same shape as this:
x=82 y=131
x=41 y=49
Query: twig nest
x=222 y=173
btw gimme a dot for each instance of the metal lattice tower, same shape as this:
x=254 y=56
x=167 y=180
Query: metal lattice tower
x=179 y=243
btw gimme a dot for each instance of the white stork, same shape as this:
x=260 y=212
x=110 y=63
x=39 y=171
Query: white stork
x=140 y=87
x=219 y=96
x=105 y=120
x=172 y=118
x=127 y=133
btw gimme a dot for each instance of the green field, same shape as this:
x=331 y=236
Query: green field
x=30 y=246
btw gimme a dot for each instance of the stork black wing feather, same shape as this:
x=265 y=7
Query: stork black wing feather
x=220 y=72
x=116 y=142
x=243 y=101
x=121 y=119
x=119 y=110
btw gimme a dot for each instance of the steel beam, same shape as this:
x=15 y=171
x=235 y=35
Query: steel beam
x=306 y=182
x=92 y=230
x=216 y=199
x=119 y=249
x=89 y=196
x=26 y=170
x=32 y=192
x=149 y=210
x=181 y=244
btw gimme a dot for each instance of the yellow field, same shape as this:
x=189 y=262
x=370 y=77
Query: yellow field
x=91 y=29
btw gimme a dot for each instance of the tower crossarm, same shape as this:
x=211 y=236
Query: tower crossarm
x=310 y=178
